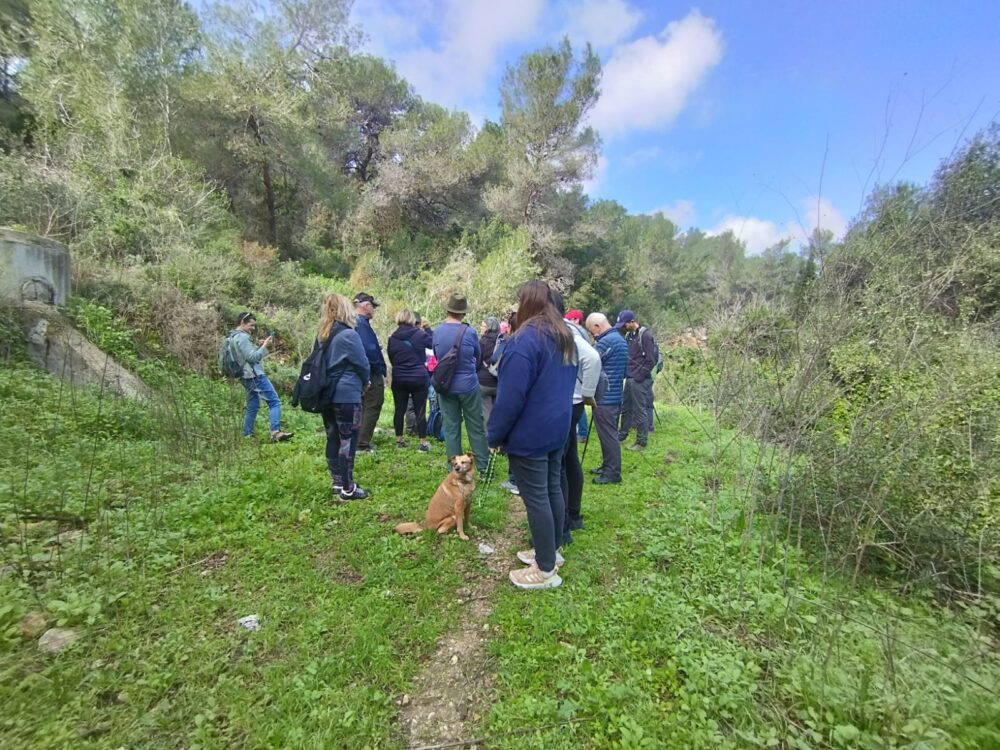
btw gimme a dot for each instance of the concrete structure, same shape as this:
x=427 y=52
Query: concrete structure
x=56 y=346
x=33 y=269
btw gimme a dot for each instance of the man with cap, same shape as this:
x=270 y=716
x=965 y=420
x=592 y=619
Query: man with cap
x=462 y=402
x=374 y=394
x=637 y=399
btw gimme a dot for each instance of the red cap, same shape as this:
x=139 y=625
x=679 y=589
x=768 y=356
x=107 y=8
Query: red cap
x=575 y=315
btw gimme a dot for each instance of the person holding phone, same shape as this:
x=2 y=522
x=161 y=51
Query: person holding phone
x=254 y=380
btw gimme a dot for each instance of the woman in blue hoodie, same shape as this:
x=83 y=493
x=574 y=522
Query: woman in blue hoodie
x=530 y=421
x=347 y=366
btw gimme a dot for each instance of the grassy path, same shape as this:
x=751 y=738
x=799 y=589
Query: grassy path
x=670 y=630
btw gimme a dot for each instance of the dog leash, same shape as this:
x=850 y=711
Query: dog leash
x=490 y=469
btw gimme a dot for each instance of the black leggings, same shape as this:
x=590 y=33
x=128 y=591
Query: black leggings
x=571 y=475
x=401 y=393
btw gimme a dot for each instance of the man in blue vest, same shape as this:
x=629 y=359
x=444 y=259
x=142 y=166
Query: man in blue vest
x=374 y=395
x=614 y=359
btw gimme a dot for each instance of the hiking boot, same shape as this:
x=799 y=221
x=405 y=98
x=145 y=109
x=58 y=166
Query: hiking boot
x=356 y=493
x=636 y=447
x=527 y=556
x=368 y=451
x=604 y=479
x=575 y=524
x=598 y=470
x=279 y=436
x=510 y=487
x=532 y=578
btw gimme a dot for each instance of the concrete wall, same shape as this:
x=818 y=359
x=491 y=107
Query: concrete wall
x=33 y=268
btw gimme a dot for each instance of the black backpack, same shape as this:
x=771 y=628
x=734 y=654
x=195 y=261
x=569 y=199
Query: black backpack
x=447 y=366
x=314 y=389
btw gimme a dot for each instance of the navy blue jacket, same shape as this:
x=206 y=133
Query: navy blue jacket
x=469 y=357
x=346 y=358
x=614 y=360
x=406 y=347
x=534 y=402
x=372 y=349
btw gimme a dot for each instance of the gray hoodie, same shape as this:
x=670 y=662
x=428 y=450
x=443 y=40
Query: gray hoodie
x=589 y=367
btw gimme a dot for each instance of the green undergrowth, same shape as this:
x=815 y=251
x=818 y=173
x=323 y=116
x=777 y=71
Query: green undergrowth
x=153 y=546
x=672 y=630
x=684 y=620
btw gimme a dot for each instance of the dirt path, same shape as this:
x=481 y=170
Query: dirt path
x=450 y=695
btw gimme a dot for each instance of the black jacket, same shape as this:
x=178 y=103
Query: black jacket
x=641 y=355
x=406 y=354
x=487 y=342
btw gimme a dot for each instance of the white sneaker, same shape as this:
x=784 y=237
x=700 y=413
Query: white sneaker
x=532 y=578
x=527 y=556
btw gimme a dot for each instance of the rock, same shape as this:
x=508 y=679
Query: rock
x=405 y=701
x=485 y=549
x=55 y=640
x=32 y=625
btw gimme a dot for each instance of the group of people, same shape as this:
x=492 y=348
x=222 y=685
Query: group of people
x=519 y=387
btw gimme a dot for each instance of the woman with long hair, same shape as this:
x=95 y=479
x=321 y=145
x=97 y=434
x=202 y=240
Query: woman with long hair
x=530 y=421
x=348 y=370
x=406 y=348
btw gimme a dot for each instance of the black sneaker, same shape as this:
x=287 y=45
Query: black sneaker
x=575 y=524
x=356 y=493
x=604 y=479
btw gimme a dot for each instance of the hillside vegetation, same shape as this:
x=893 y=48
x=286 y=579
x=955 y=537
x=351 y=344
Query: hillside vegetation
x=809 y=556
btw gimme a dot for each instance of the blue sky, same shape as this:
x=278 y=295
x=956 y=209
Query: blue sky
x=763 y=117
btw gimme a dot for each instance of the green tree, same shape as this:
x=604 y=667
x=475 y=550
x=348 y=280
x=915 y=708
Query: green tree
x=544 y=101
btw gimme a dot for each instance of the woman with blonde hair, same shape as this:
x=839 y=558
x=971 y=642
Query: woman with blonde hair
x=348 y=373
x=406 y=348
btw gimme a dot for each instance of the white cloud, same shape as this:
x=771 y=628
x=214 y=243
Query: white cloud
x=682 y=213
x=647 y=82
x=603 y=23
x=759 y=234
x=821 y=213
x=470 y=36
x=756 y=234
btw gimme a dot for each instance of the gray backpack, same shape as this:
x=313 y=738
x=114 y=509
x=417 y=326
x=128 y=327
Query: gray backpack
x=229 y=358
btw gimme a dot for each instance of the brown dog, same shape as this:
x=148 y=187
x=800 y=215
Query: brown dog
x=450 y=506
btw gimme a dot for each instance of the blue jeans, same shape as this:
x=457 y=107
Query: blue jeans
x=538 y=480
x=258 y=388
x=582 y=428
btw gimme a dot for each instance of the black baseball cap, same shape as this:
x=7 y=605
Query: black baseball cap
x=364 y=297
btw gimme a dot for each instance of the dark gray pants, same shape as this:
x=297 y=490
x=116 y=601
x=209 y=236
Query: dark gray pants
x=637 y=409
x=541 y=491
x=606 y=423
x=371 y=409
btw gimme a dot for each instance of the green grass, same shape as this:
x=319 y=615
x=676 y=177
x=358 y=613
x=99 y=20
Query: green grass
x=671 y=630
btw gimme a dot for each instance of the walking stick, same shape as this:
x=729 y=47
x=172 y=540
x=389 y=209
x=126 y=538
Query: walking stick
x=587 y=441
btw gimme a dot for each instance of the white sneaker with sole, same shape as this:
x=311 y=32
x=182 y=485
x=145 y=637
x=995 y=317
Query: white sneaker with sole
x=532 y=578
x=527 y=556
